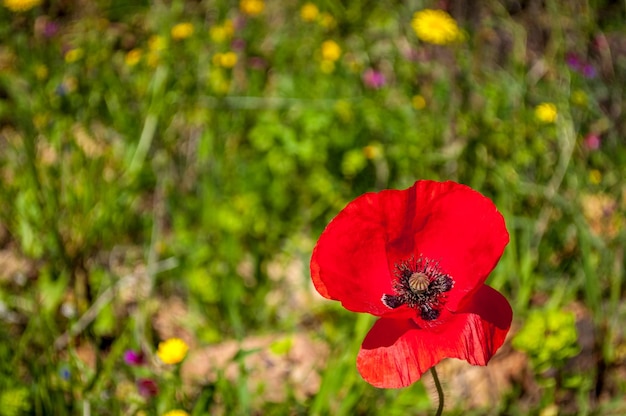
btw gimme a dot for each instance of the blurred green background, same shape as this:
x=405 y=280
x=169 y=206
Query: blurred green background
x=166 y=168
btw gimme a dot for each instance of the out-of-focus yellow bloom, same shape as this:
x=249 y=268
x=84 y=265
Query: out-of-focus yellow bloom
x=153 y=59
x=172 y=351
x=218 y=81
x=41 y=120
x=435 y=26
x=344 y=110
x=133 y=57
x=229 y=59
x=225 y=60
x=595 y=176
x=579 y=97
x=182 y=31
x=331 y=51
x=74 y=55
x=546 y=112
x=309 y=12
x=41 y=72
x=418 y=102
x=156 y=43
x=21 y=5
x=176 y=412
x=327 y=21
x=222 y=33
x=373 y=151
x=252 y=7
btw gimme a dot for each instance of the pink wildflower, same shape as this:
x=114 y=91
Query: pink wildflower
x=373 y=79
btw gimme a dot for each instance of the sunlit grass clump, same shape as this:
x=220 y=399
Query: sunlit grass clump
x=549 y=337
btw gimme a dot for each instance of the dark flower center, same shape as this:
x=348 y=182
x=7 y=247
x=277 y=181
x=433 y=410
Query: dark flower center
x=420 y=284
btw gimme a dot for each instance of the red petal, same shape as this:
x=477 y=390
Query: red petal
x=396 y=352
x=356 y=255
x=349 y=262
x=455 y=225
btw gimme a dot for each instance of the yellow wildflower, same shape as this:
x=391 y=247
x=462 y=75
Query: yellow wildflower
x=21 y=5
x=172 y=351
x=156 y=43
x=344 y=110
x=331 y=51
x=546 y=112
x=41 y=72
x=309 y=12
x=41 y=120
x=176 y=412
x=153 y=59
x=225 y=60
x=579 y=97
x=133 y=57
x=74 y=55
x=251 y=7
x=182 y=31
x=595 y=176
x=435 y=26
x=222 y=33
x=373 y=151
x=218 y=81
x=418 y=102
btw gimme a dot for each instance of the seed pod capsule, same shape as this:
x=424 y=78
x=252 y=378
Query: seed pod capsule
x=418 y=282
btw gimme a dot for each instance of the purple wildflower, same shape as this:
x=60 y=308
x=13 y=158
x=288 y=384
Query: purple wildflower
x=588 y=71
x=147 y=387
x=258 y=63
x=373 y=79
x=576 y=63
x=240 y=22
x=50 y=29
x=64 y=372
x=238 y=44
x=134 y=358
x=573 y=61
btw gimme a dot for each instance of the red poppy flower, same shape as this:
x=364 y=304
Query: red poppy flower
x=418 y=259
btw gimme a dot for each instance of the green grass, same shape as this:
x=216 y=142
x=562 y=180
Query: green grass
x=177 y=197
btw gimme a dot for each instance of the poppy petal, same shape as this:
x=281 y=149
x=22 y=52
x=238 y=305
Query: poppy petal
x=396 y=352
x=455 y=226
x=349 y=262
x=356 y=255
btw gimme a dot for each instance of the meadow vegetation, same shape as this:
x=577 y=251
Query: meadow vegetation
x=166 y=168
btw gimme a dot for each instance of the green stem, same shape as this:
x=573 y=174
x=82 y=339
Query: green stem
x=439 y=390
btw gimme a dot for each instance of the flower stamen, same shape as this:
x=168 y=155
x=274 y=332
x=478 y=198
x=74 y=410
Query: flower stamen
x=421 y=285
